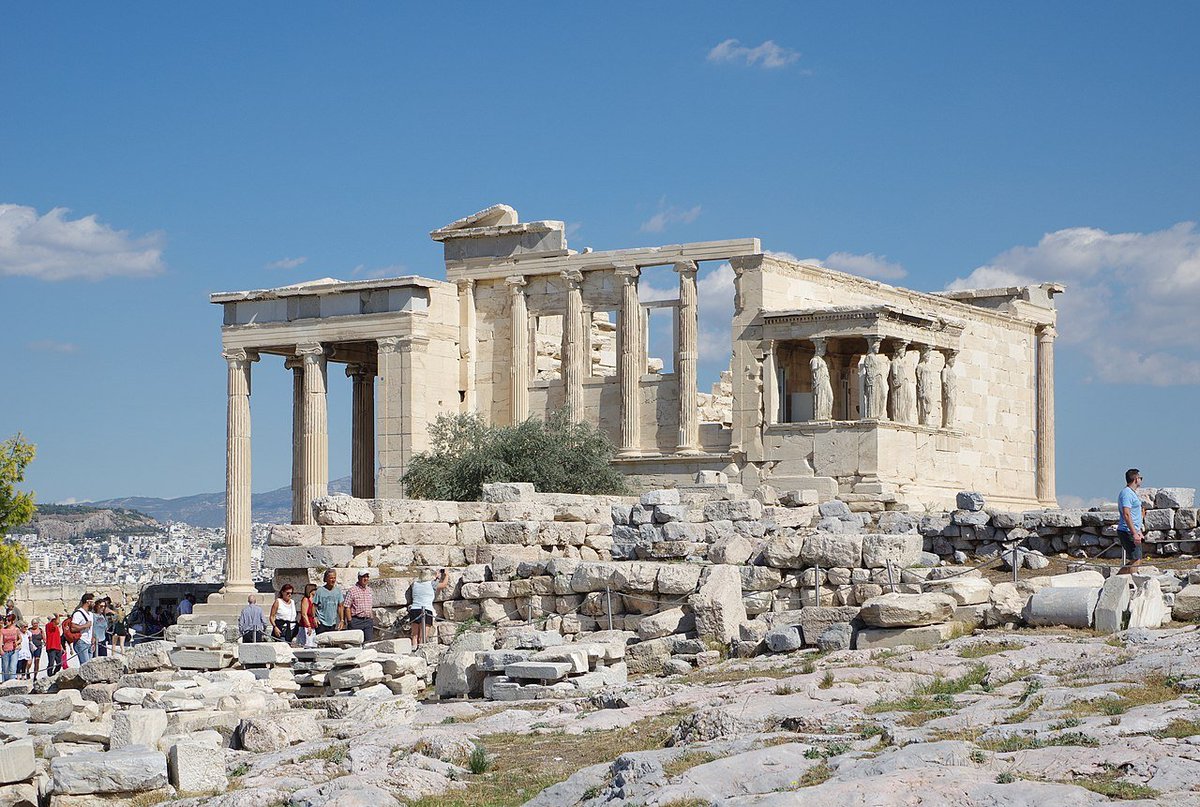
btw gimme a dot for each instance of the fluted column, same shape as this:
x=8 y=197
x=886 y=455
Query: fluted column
x=575 y=346
x=466 y=343
x=294 y=364
x=520 y=348
x=686 y=359
x=1045 y=416
x=630 y=362
x=362 y=431
x=314 y=482
x=237 y=472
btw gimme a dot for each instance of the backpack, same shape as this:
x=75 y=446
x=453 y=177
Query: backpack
x=71 y=632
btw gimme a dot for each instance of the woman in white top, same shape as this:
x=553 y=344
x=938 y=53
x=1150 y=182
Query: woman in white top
x=283 y=615
x=420 y=611
x=24 y=652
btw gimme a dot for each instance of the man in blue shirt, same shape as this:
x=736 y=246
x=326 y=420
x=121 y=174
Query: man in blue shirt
x=1129 y=523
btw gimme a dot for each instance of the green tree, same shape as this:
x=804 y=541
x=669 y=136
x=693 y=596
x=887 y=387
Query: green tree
x=16 y=508
x=556 y=455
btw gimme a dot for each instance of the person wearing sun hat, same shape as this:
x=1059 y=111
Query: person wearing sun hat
x=360 y=606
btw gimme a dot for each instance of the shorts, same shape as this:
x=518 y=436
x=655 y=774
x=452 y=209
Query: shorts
x=415 y=614
x=1133 y=551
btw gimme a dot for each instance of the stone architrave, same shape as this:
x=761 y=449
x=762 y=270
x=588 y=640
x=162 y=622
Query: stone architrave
x=1045 y=415
x=822 y=386
x=520 y=348
x=689 y=354
x=875 y=381
x=237 y=473
x=901 y=387
x=314 y=471
x=362 y=432
x=630 y=362
x=575 y=346
x=949 y=389
x=927 y=387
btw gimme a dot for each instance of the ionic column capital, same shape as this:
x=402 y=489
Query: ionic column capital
x=686 y=267
x=515 y=282
x=237 y=356
x=574 y=278
x=360 y=371
x=293 y=363
x=465 y=284
x=1047 y=333
x=628 y=274
x=310 y=351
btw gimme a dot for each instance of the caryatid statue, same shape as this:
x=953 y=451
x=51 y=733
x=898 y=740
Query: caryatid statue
x=927 y=387
x=949 y=389
x=901 y=386
x=875 y=383
x=822 y=387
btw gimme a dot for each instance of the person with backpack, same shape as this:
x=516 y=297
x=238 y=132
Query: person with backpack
x=77 y=631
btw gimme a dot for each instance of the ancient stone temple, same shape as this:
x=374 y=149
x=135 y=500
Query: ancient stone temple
x=836 y=384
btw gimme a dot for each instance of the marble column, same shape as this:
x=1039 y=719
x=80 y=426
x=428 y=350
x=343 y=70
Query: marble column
x=821 y=385
x=314 y=482
x=362 y=431
x=467 y=331
x=294 y=364
x=928 y=382
x=900 y=386
x=949 y=389
x=237 y=473
x=1045 y=416
x=575 y=346
x=687 y=356
x=520 y=348
x=630 y=362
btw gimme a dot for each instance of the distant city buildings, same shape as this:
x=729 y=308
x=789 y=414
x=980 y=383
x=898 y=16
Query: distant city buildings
x=180 y=553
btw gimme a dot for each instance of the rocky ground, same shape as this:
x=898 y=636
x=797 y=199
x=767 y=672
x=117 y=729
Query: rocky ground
x=1026 y=717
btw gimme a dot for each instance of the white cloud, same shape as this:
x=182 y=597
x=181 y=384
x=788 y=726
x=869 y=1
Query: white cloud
x=52 y=346
x=52 y=247
x=287 y=263
x=1069 y=502
x=667 y=215
x=1131 y=298
x=864 y=265
x=768 y=55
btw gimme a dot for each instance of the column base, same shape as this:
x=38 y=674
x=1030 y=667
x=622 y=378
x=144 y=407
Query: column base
x=688 y=451
x=230 y=591
x=635 y=453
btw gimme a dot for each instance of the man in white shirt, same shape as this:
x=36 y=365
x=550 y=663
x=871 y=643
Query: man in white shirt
x=82 y=620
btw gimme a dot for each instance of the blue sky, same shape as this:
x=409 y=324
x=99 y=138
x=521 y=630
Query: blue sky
x=920 y=143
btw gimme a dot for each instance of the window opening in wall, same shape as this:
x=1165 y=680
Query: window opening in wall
x=660 y=336
x=547 y=347
x=602 y=341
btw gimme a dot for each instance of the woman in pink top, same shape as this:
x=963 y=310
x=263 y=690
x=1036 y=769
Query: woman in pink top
x=10 y=643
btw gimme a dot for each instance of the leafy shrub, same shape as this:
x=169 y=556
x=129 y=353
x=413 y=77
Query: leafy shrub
x=556 y=455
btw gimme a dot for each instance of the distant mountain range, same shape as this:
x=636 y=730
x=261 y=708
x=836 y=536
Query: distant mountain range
x=208 y=509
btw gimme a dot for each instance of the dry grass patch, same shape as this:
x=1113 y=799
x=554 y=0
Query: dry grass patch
x=936 y=697
x=524 y=764
x=1178 y=728
x=1109 y=784
x=816 y=775
x=1153 y=689
x=687 y=761
x=988 y=648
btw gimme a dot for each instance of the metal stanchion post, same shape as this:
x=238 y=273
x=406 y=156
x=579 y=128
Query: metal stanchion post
x=817 y=585
x=608 y=606
x=1014 y=561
